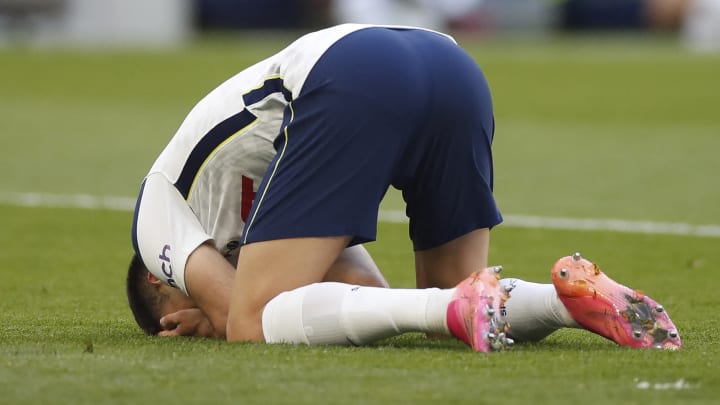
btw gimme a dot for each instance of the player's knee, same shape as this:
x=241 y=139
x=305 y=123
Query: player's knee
x=244 y=327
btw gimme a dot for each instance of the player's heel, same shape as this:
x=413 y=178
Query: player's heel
x=474 y=315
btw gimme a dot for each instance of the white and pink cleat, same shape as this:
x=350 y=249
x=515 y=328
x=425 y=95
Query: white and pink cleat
x=599 y=304
x=475 y=313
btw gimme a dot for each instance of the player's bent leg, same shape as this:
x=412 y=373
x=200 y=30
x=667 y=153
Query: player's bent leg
x=614 y=311
x=266 y=269
x=343 y=314
x=474 y=315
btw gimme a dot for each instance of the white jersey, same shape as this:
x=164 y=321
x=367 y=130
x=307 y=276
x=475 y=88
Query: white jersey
x=202 y=185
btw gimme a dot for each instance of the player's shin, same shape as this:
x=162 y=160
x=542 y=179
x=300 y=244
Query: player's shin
x=343 y=314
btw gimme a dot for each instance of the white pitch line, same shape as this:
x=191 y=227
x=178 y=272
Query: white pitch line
x=590 y=224
x=617 y=225
x=86 y=201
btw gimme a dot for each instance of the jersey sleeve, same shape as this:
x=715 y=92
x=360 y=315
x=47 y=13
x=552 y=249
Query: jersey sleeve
x=165 y=230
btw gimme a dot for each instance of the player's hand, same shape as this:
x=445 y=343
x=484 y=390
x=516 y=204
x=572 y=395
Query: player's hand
x=186 y=322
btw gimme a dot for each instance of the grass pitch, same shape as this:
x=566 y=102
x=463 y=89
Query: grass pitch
x=586 y=128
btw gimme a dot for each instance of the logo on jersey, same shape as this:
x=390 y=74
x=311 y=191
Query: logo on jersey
x=247 y=195
x=230 y=251
x=166 y=266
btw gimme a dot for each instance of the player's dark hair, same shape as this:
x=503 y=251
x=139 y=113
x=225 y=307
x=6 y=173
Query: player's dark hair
x=143 y=297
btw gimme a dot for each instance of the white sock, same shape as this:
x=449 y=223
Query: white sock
x=344 y=314
x=534 y=310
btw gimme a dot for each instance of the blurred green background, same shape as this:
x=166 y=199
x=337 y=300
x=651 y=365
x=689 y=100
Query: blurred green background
x=586 y=127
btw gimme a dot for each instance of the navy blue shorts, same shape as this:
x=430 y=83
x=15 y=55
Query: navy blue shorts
x=401 y=107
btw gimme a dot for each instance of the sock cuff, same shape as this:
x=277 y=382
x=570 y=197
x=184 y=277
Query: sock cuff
x=282 y=318
x=436 y=309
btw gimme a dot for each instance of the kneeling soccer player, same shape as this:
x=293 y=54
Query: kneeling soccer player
x=340 y=115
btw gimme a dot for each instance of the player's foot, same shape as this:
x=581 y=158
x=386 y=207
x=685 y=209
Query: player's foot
x=474 y=314
x=601 y=305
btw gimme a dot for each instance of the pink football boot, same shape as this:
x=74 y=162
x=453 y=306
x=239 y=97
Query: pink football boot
x=474 y=314
x=627 y=317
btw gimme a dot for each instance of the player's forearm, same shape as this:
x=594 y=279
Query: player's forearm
x=209 y=277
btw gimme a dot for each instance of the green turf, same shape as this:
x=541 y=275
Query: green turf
x=67 y=335
x=585 y=128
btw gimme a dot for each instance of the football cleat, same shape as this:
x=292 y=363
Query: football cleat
x=474 y=314
x=598 y=303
